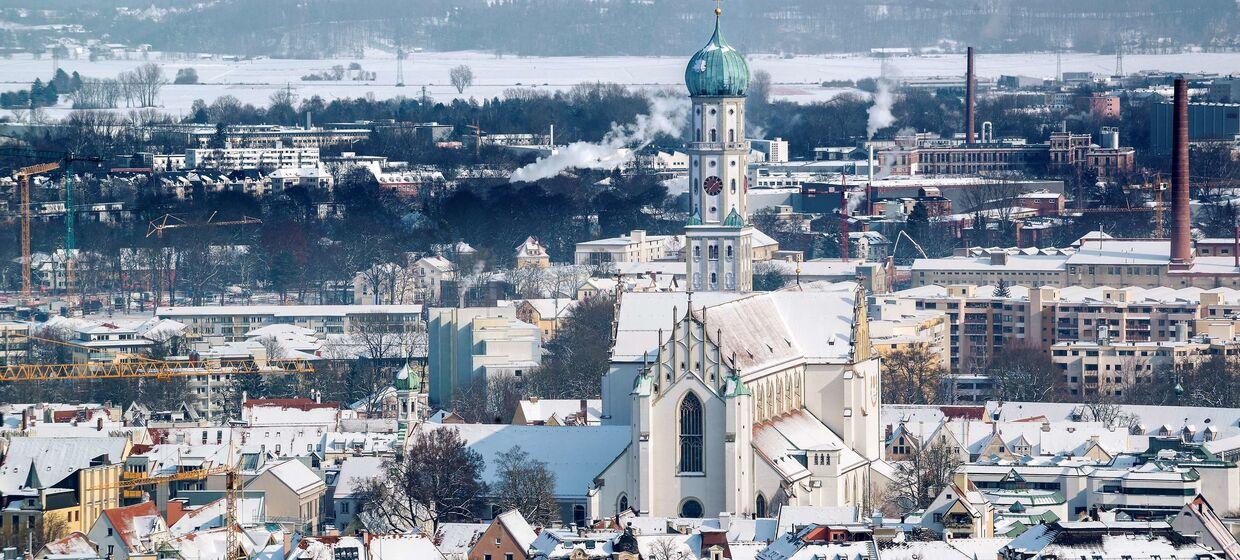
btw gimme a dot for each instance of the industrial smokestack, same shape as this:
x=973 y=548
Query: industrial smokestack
x=969 y=99
x=1181 y=225
x=844 y=253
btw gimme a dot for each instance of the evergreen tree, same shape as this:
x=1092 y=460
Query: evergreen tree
x=36 y=92
x=919 y=222
x=1001 y=289
x=61 y=80
x=50 y=96
x=75 y=82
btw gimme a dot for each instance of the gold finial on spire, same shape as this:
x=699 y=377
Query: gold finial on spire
x=718 y=8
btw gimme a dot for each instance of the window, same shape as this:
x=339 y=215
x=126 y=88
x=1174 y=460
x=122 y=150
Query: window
x=759 y=507
x=624 y=503
x=691 y=509
x=691 y=433
x=507 y=556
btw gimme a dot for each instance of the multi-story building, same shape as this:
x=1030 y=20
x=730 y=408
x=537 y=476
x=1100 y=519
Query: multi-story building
x=472 y=345
x=1105 y=367
x=272 y=136
x=1207 y=123
x=265 y=159
x=927 y=154
x=14 y=343
x=1142 y=263
x=983 y=324
x=219 y=324
x=634 y=247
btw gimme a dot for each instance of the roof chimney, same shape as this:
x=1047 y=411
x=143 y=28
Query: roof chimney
x=970 y=82
x=1181 y=226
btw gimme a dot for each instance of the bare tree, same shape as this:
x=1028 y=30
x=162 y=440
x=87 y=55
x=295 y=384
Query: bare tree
x=1022 y=374
x=437 y=480
x=381 y=338
x=462 y=77
x=527 y=485
x=920 y=479
x=148 y=80
x=46 y=528
x=667 y=548
x=492 y=401
x=912 y=375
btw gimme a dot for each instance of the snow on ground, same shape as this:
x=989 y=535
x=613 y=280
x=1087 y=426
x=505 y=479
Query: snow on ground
x=796 y=78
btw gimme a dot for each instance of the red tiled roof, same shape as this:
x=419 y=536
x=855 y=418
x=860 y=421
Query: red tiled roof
x=122 y=520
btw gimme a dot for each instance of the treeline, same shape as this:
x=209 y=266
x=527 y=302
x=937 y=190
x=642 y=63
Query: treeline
x=41 y=94
x=667 y=27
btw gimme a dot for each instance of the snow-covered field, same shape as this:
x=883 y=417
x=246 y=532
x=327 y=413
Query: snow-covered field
x=796 y=79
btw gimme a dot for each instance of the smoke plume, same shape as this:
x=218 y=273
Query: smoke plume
x=667 y=116
x=880 y=111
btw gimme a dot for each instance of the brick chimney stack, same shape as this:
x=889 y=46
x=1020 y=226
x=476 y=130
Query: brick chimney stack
x=1181 y=224
x=970 y=98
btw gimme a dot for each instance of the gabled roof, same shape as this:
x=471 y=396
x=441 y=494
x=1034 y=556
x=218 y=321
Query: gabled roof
x=515 y=524
x=134 y=524
x=296 y=476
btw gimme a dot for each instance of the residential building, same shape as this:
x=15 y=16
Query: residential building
x=273 y=136
x=14 y=343
x=135 y=531
x=983 y=324
x=263 y=159
x=545 y=313
x=509 y=537
x=477 y=344
x=220 y=324
x=70 y=479
x=293 y=493
x=960 y=511
x=535 y=411
x=634 y=247
x=1128 y=540
x=532 y=254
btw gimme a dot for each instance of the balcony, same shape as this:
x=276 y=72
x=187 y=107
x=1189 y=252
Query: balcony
x=958 y=521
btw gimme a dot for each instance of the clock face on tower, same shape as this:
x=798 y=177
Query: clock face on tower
x=713 y=185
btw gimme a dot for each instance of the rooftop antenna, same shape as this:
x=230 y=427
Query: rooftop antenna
x=400 y=67
x=1119 y=59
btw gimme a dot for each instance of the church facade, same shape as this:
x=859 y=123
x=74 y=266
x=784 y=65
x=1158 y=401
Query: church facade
x=743 y=406
x=738 y=402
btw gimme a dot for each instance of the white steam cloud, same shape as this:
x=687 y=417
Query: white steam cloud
x=668 y=115
x=880 y=111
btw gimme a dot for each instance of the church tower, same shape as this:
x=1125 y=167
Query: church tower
x=718 y=238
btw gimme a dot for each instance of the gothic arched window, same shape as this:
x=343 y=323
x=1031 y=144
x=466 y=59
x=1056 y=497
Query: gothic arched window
x=759 y=509
x=690 y=434
x=623 y=504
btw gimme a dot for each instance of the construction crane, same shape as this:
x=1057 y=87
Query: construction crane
x=904 y=235
x=233 y=490
x=23 y=182
x=138 y=368
x=23 y=178
x=171 y=221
